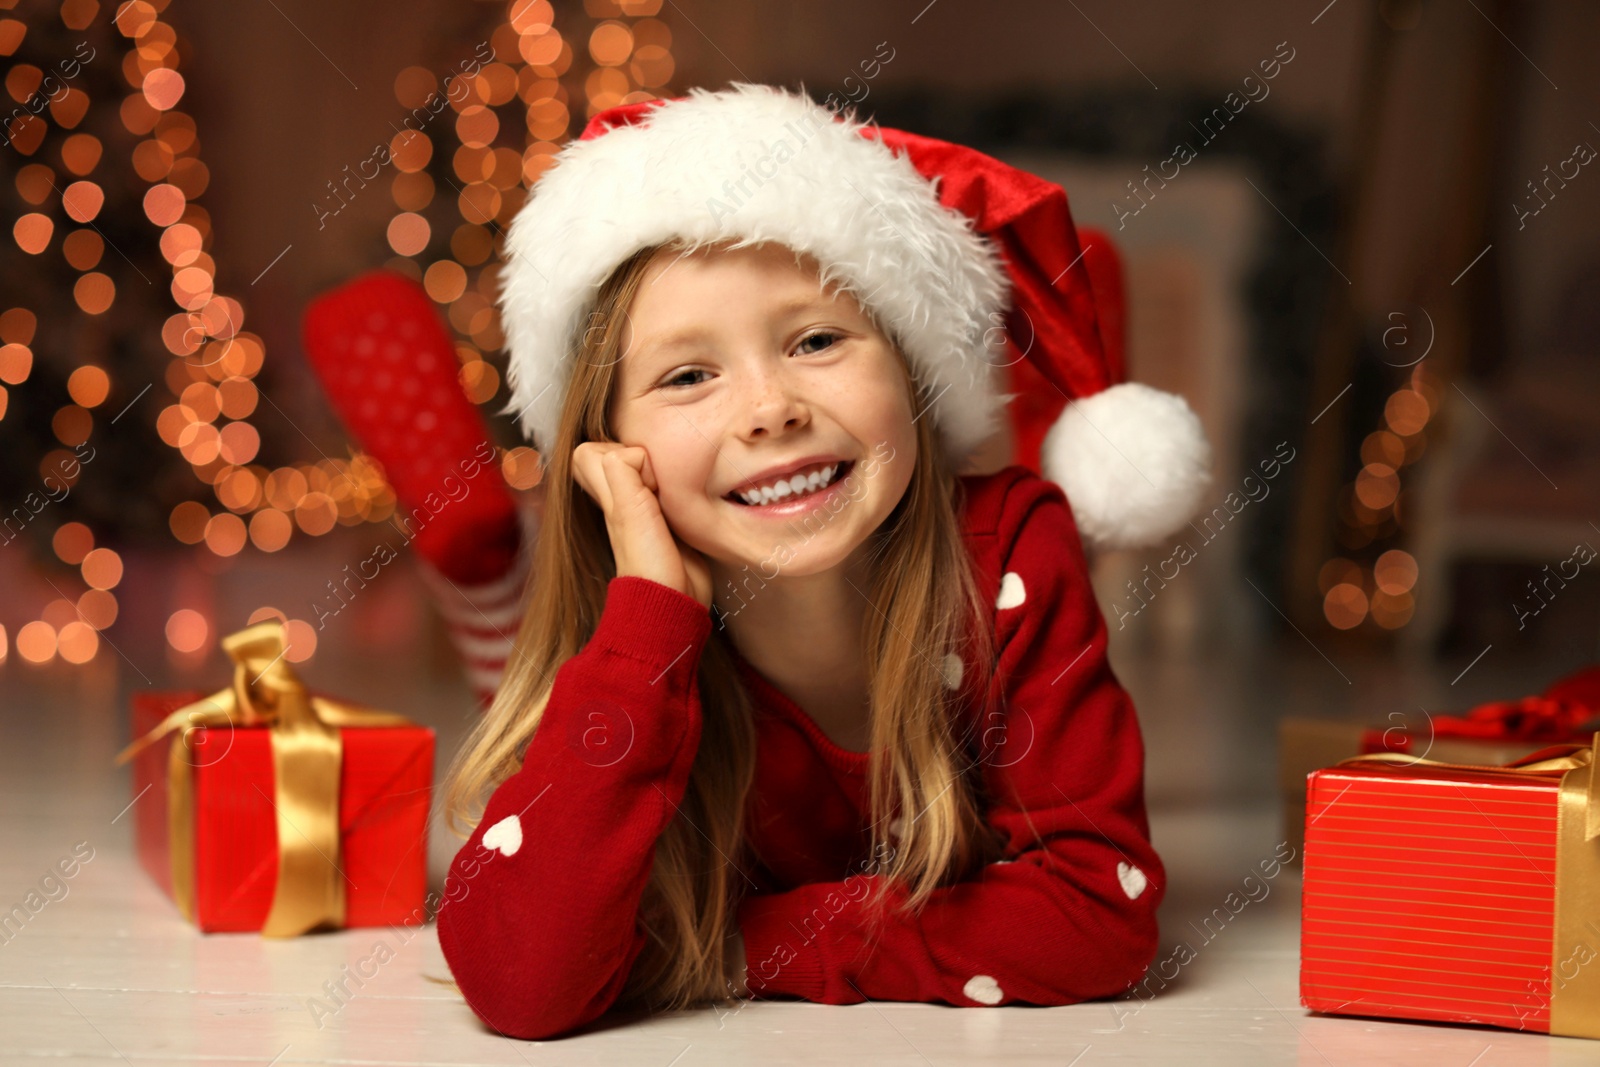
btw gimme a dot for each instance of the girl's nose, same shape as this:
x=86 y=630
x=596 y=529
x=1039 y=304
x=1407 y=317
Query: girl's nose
x=772 y=403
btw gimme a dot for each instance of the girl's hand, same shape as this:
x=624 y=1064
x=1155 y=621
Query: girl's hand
x=620 y=479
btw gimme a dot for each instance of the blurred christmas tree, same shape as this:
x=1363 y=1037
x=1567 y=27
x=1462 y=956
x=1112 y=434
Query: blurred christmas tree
x=107 y=277
x=125 y=311
x=122 y=359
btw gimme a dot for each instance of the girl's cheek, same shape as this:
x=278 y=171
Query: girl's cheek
x=680 y=503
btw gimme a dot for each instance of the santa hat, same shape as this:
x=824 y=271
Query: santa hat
x=940 y=243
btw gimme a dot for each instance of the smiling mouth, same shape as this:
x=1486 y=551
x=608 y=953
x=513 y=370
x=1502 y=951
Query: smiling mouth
x=813 y=486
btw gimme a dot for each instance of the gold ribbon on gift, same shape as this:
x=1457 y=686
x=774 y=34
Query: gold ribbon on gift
x=307 y=751
x=1575 y=939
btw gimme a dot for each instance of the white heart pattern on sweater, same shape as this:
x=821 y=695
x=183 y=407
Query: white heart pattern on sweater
x=953 y=670
x=984 y=989
x=1012 y=594
x=505 y=836
x=1132 y=879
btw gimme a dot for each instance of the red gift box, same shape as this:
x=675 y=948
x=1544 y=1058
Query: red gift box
x=1498 y=732
x=385 y=776
x=1455 y=893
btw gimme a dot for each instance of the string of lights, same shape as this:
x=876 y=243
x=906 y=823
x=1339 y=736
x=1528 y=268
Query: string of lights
x=1371 y=516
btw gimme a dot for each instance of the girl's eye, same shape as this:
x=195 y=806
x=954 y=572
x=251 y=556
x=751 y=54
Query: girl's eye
x=677 y=380
x=820 y=334
x=670 y=383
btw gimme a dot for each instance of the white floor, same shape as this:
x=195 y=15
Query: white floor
x=109 y=973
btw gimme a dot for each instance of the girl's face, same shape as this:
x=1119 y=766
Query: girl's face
x=736 y=369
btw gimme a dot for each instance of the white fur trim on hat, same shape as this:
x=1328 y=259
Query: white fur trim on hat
x=1133 y=462
x=749 y=164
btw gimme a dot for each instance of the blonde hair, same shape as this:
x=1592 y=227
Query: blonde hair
x=925 y=605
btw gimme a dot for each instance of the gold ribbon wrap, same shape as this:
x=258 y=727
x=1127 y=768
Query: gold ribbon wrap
x=307 y=751
x=1575 y=938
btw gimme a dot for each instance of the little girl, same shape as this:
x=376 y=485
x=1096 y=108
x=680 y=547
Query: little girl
x=797 y=708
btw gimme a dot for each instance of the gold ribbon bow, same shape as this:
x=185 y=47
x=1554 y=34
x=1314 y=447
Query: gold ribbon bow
x=306 y=754
x=1574 y=945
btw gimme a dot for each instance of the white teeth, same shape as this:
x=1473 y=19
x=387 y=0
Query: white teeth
x=796 y=486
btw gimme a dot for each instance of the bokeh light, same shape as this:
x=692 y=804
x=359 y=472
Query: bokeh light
x=1392 y=610
x=33 y=232
x=237 y=397
x=202 y=399
x=1345 y=606
x=98 y=608
x=1384 y=447
x=59 y=612
x=1377 y=486
x=11 y=33
x=265 y=612
x=102 y=569
x=521 y=468
x=300 y=641
x=445 y=281
x=225 y=534
x=239 y=442
x=164 y=204
x=410 y=150
x=412 y=192
x=83 y=249
x=270 y=529
x=94 y=292
x=81 y=152
x=315 y=514
x=36 y=642
x=188 y=522
x=163 y=88
x=408 y=233
x=88 y=386
x=1337 y=571
x=610 y=44
x=82 y=200
x=16 y=361
x=72 y=542
x=77 y=642
x=17 y=326
x=180 y=243
x=1395 y=572
x=187 y=630
x=71 y=425
x=1406 y=412
x=414 y=85
x=479 y=380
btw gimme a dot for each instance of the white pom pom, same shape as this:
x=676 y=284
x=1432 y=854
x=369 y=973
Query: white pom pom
x=1133 y=462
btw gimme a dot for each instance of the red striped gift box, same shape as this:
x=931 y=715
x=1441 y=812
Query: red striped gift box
x=1431 y=892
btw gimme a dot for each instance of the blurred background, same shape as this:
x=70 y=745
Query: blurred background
x=1358 y=237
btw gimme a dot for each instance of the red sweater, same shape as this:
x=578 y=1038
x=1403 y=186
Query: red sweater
x=538 y=923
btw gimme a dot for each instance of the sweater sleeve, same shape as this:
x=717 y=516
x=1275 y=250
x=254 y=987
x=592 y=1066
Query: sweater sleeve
x=539 y=918
x=1070 y=914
